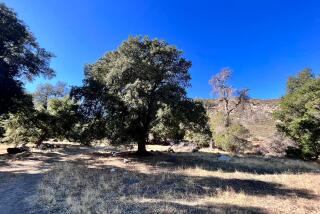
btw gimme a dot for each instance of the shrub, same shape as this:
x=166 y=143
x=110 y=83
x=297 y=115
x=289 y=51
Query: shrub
x=233 y=138
x=200 y=138
x=25 y=127
x=59 y=120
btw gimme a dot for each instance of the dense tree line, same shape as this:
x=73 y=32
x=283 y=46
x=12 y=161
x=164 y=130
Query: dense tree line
x=134 y=94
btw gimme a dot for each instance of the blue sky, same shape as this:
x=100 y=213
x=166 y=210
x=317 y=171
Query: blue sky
x=263 y=41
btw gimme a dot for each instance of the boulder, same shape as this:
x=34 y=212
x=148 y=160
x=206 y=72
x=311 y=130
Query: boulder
x=185 y=147
x=224 y=158
x=16 y=150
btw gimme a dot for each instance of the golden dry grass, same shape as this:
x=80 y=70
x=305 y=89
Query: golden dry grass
x=181 y=183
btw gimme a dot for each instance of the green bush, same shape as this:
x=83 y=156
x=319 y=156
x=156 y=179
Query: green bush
x=25 y=127
x=233 y=138
x=202 y=139
x=298 y=115
x=60 y=121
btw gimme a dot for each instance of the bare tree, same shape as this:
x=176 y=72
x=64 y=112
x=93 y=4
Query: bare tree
x=231 y=97
x=46 y=91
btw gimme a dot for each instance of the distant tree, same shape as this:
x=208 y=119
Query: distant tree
x=20 y=58
x=124 y=91
x=231 y=97
x=56 y=116
x=65 y=123
x=47 y=91
x=27 y=125
x=296 y=82
x=299 y=113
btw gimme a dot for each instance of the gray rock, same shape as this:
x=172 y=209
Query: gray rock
x=224 y=158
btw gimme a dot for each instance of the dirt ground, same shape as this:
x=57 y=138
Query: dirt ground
x=20 y=175
x=245 y=184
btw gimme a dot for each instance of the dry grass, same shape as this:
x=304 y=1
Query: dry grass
x=181 y=183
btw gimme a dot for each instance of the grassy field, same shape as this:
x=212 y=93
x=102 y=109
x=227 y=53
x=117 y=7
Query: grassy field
x=90 y=180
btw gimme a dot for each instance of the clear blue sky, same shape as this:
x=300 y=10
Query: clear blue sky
x=263 y=41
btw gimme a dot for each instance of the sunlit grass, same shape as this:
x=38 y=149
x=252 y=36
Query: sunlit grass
x=153 y=185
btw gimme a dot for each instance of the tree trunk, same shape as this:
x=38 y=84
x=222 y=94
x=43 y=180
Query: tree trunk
x=227 y=121
x=142 y=147
x=41 y=139
x=211 y=144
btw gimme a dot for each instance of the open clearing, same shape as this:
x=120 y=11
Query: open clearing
x=76 y=179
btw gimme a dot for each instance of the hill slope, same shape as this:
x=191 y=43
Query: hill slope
x=257 y=117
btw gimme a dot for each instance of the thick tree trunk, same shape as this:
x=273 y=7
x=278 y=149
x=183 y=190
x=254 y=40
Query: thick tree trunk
x=142 y=147
x=41 y=139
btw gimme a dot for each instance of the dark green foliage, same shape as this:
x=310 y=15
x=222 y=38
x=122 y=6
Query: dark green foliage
x=168 y=125
x=66 y=119
x=188 y=120
x=20 y=58
x=54 y=118
x=27 y=126
x=125 y=90
x=299 y=113
x=196 y=123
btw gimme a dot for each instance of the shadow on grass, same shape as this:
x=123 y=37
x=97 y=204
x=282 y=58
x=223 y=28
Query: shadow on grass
x=210 y=162
x=116 y=187
x=171 y=207
x=156 y=187
x=17 y=192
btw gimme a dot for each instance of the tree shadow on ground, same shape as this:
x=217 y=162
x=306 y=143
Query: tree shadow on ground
x=210 y=162
x=166 y=207
x=155 y=186
x=17 y=192
x=158 y=191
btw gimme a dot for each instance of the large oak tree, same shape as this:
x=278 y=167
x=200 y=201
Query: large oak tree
x=125 y=89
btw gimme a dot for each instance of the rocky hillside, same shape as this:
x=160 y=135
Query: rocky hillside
x=256 y=115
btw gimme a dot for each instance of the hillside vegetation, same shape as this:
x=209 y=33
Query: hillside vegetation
x=258 y=117
x=130 y=140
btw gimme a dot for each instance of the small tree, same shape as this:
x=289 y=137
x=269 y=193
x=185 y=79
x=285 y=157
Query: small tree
x=126 y=88
x=299 y=113
x=55 y=117
x=232 y=98
x=228 y=136
x=27 y=126
x=298 y=81
x=168 y=125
